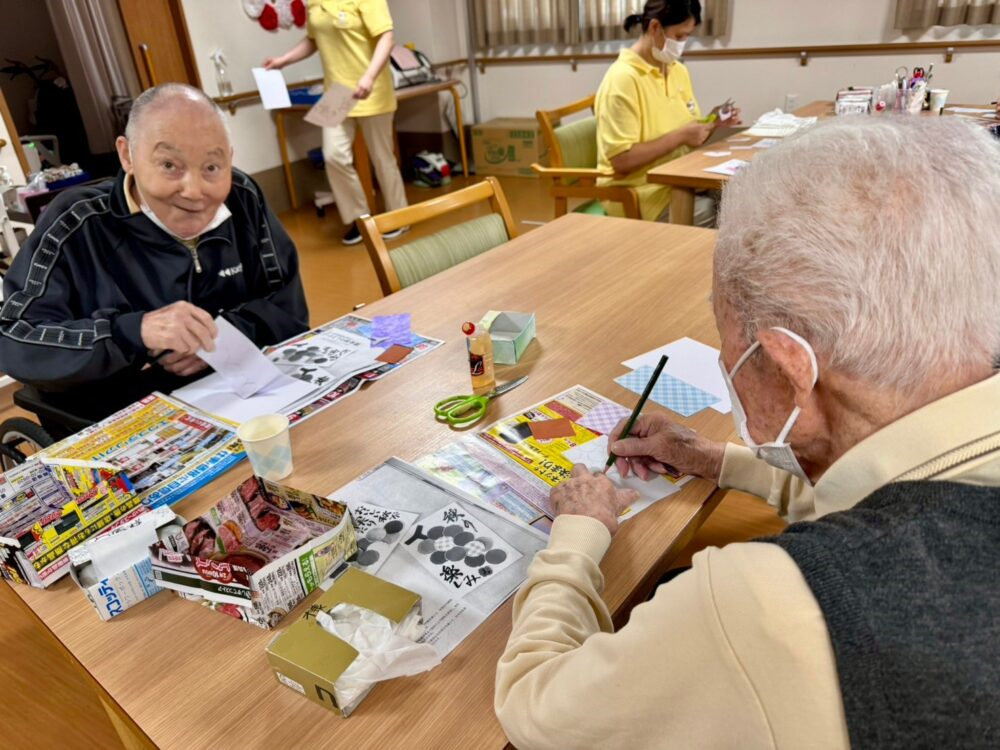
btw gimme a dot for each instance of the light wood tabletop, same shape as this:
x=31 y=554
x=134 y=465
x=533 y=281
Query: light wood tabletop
x=687 y=174
x=603 y=290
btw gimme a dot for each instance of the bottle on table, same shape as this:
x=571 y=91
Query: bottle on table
x=477 y=341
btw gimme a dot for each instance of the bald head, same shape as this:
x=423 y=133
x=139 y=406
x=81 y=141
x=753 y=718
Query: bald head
x=178 y=98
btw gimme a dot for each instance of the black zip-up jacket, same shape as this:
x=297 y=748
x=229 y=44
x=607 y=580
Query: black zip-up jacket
x=76 y=293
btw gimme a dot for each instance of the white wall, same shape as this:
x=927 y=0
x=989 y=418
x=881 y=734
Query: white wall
x=222 y=23
x=438 y=28
x=760 y=84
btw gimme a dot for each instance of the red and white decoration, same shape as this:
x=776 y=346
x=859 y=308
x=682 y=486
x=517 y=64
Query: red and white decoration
x=272 y=14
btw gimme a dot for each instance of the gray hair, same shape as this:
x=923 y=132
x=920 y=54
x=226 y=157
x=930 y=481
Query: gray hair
x=154 y=96
x=877 y=239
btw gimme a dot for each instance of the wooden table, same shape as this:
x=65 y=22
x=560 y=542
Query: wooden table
x=361 y=162
x=603 y=289
x=687 y=174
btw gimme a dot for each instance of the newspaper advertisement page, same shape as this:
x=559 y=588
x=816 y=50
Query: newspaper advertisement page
x=302 y=346
x=462 y=556
x=167 y=449
x=587 y=418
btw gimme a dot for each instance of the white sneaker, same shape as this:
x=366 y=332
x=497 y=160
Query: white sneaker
x=395 y=233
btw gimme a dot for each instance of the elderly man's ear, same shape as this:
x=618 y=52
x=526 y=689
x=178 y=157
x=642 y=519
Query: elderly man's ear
x=792 y=360
x=124 y=156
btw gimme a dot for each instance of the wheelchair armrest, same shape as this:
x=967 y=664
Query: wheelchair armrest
x=29 y=399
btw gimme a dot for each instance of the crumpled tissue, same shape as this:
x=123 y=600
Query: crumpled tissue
x=383 y=652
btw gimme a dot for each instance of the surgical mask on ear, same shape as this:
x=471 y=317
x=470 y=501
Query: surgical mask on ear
x=671 y=52
x=221 y=214
x=777 y=453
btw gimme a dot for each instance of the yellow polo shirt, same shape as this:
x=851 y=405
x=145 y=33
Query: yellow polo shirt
x=636 y=104
x=345 y=32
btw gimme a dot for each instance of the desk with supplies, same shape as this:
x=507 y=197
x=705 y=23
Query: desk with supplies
x=361 y=163
x=182 y=676
x=687 y=174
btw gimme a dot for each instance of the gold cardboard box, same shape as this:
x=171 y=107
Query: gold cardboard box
x=309 y=660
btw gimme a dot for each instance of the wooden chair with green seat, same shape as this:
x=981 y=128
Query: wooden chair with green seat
x=418 y=259
x=573 y=162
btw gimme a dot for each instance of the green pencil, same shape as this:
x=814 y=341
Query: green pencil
x=638 y=408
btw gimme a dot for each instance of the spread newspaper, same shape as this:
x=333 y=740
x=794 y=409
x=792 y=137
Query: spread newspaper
x=512 y=466
x=326 y=364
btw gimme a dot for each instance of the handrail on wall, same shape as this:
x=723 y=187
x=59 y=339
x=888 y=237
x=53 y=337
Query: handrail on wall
x=802 y=53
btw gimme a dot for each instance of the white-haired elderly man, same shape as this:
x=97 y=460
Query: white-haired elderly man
x=119 y=284
x=857 y=296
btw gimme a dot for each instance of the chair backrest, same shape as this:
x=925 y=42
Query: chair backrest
x=416 y=260
x=572 y=145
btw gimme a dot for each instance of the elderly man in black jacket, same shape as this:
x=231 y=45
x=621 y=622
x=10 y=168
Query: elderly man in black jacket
x=118 y=286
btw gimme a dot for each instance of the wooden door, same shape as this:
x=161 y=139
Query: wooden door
x=158 y=38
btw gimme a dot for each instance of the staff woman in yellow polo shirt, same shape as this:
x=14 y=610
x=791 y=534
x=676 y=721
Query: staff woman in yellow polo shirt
x=646 y=110
x=354 y=39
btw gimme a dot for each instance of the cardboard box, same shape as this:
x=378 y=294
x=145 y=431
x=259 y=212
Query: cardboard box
x=133 y=580
x=508 y=146
x=309 y=660
x=47 y=507
x=510 y=333
x=260 y=551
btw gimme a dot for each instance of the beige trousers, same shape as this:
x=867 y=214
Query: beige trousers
x=338 y=154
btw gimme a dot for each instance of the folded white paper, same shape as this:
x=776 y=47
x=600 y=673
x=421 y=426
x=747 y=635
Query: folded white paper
x=272 y=88
x=239 y=362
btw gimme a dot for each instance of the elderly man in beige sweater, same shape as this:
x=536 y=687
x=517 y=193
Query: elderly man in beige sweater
x=857 y=296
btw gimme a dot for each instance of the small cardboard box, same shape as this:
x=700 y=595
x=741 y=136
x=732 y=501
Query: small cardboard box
x=508 y=146
x=510 y=333
x=133 y=582
x=258 y=552
x=309 y=660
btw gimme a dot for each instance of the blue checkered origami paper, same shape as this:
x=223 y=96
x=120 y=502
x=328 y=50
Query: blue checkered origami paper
x=672 y=393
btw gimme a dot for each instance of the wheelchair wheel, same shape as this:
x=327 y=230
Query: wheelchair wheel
x=20 y=438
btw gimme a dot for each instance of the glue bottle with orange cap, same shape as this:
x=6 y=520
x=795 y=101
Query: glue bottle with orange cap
x=477 y=341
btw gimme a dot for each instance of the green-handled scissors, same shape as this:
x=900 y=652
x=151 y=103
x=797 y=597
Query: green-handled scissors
x=463 y=410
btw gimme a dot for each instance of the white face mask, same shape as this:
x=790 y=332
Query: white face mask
x=671 y=52
x=777 y=453
x=221 y=214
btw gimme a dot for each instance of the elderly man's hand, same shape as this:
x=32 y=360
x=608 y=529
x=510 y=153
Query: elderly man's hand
x=182 y=364
x=180 y=327
x=586 y=494
x=656 y=443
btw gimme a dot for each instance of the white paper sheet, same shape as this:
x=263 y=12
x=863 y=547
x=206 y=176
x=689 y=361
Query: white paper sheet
x=213 y=395
x=272 y=88
x=449 y=614
x=717 y=153
x=238 y=361
x=694 y=363
x=728 y=168
x=594 y=455
x=970 y=110
x=333 y=107
x=766 y=143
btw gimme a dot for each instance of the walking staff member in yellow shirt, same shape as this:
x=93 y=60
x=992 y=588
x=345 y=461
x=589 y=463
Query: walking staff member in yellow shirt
x=354 y=39
x=855 y=292
x=646 y=111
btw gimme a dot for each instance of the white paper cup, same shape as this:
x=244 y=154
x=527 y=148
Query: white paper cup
x=268 y=445
x=938 y=98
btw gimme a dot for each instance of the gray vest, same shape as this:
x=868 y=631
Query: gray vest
x=909 y=584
